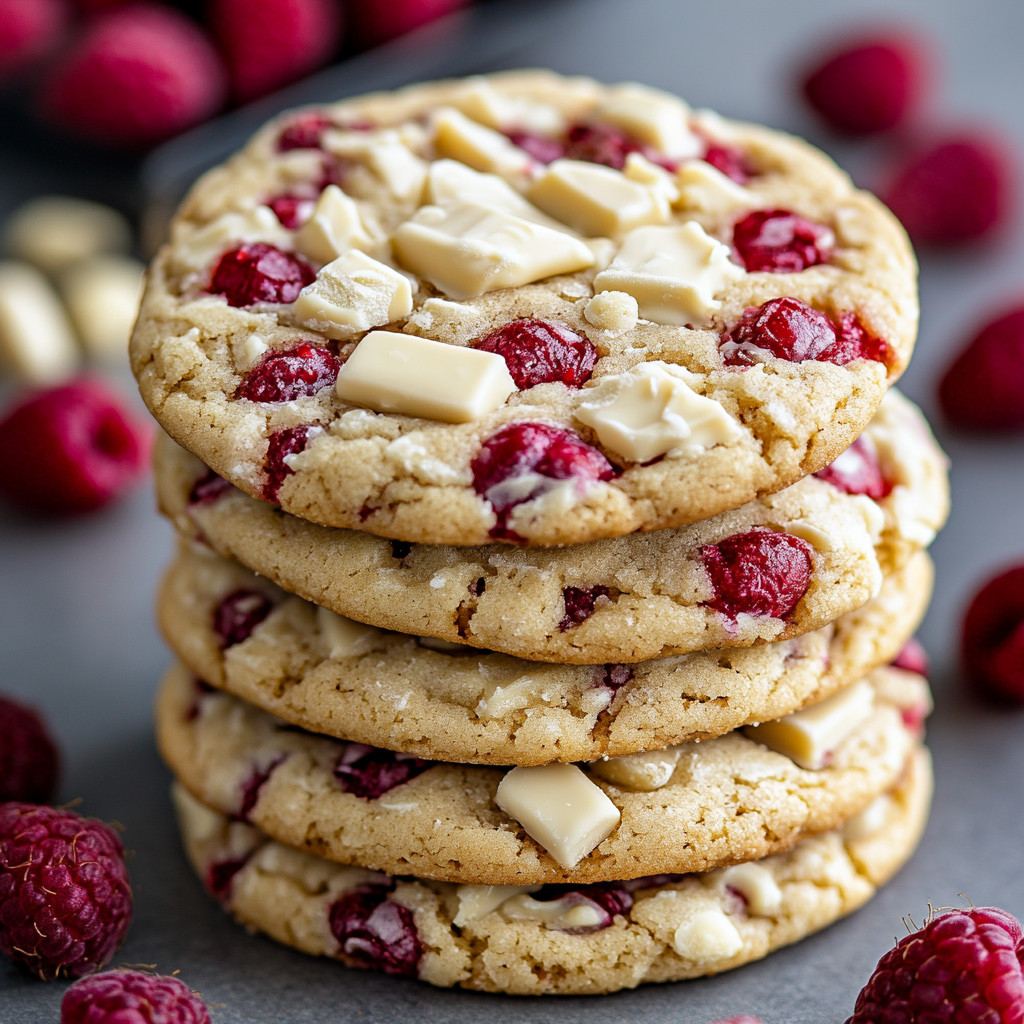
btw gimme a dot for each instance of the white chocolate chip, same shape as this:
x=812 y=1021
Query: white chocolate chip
x=757 y=885
x=707 y=936
x=814 y=535
x=333 y=228
x=638 y=168
x=481 y=148
x=612 y=311
x=479 y=100
x=387 y=155
x=705 y=189
x=197 y=247
x=343 y=637
x=498 y=701
x=36 y=342
x=102 y=296
x=476 y=901
x=654 y=117
x=407 y=452
x=573 y=911
x=643 y=772
x=250 y=352
x=870 y=821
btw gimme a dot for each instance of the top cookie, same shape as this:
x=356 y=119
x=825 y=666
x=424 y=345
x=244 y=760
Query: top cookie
x=601 y=313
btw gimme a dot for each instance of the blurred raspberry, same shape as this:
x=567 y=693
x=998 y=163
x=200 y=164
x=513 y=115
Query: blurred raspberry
x=131 y=997
x=377 y=21
x=28 y=29
x=992 y=642
x=29 y=762
x=137 y=76
x=743 y=1018
x=913 y=658
x=984 y=387
x=65 y=901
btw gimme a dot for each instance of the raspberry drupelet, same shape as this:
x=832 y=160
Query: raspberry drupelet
x=131 y=997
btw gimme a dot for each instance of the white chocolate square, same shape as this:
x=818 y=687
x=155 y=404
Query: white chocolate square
x=352 y=294
x=401 y=373
x=674 y=273
x=468 y=248
x=479 y=100
x=36 y=342
x=705 y=189
x=102 y=295
x=344 y=638
x=651 y=410
x=333 y=228
x=639 y=169
x=387 y=155
x=476 y=901
x=560 y=808
x=195 y=248
x=707 y=936
x=482 y=148
x=643 y=772
x=651 y=116
x=757 y=885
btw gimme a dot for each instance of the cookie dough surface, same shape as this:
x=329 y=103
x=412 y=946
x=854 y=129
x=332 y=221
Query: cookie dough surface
x=410 y=478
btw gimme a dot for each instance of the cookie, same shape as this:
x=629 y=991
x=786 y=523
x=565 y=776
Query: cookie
x=691 y=807
x=598 y=330
x=420 y=696
x=568 y=941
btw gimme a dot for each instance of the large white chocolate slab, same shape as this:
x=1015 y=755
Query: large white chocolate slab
x=644 y=772
x=401 y=373
x=333 y=228
x=656 y=118
x=481 y=148
x=36 y=342
x=705 y=189
x=196 y=248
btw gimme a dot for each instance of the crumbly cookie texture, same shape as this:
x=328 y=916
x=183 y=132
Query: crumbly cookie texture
x=358 y=683
x=719 y=802
x=673 y=929
x=409 y=477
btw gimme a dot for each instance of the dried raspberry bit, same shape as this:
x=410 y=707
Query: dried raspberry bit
x=607 y=898
x=280 y=445
x=29 y=762
x=132 y=997
x=992 y=642
x=221 y=874
x=477 y=586
x=257 y=272
x=208 y=488
x=400 y=549
x=369 y=772
x=614 y=677
x=252 y=786
x=732 y=162
x=599 y=144
x=540 y=352
x=913 y=658
x=857 y=471
x=375 y=932
x=305 y=132
x=961 y=966
x=542 y=148
x=296 y=373
x=291 y=210
x=238 y=615
x=758 y=573
x=781 y=242
x=202 y=689
x=580 y=603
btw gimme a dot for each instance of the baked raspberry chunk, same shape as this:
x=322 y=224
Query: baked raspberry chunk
x=857 y=471
x=599 y=144
x=221 y=874
x=369 y=772
x=961 y=966
x=913 y=658
x=65 y=901
x=540 y=352
x=257 y=272
x=303 y=132
x=992 y=641
x=607 y=898
x=252 y=786
x=758 y=573
x=291 y=210
x=280 y=445
x=376 y=932
x=208 y=488
x=295 y=373
x=780 y=242
x=543 y=148
x=238 y=615
x=614 y=677
x=29 y=762
x=580 y=603
x=131 y=997
x=732 y=162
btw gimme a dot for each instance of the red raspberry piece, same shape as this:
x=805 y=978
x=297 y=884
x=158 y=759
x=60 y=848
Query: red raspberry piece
x=984 y=387
x=614 y=677
x=961 y=966
x=758 y=573
x=580 y=603
x=868 y=87
x=208 y=488
x=732 y=162
x=599 y=144
x=131 y=997
x=221 y=875
x=857 y=471
x=257 y=272
x=540 y=352
x=781 y=242
x=543 y=148
x=28 y=29
x=65 y=901
x=292 y=210
x=954 y=191
x=295 y=373
x=377 y=21
x=238 y=615
x=303 y=132
x=135 y=77
x=252 y=786
x=71 y=449
x=375 y=932
x=269 y=43
x=992 y=642
x=29 y=761
x=369 y=772
x=283 y=443
x=913 y=658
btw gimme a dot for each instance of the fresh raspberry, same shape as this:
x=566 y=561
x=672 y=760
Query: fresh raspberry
x=543 y=148
x=781 y=242
x=137 y=76
x=28 y=30
x=580 y=603
x=71 y=449
x=984 y=387
x=954 y=191
x=131 y=997
x=65 y=901
x=857 y=471
x=252 y=786
x=608 y=898
x=531 y=450
x=540 y=352
x=377 y=21
x=283 y=443
x=238 y=615
x=732 y=162
x=758 y=573
x=599 y=144
x=369 y=772
x=296 y=373
x=303 y=132
x=868 y=87
x=913 y=658
x=257 y=272
x=992 y=642
x=376 y=932
x=961 y=966
x=291 y=210
x=208 y=488
x=29 y=761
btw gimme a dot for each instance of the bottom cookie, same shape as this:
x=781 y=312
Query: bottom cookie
x=557 y=939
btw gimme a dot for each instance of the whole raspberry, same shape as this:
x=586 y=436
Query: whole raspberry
x=29 y=761
x=370 y=772
x=269 y=43
x=868 y=87
x=70 y=449
x=65 y=901
x=992 y=641
x=953 y=191
x=780 y=242
x=136 y=76
x=295 y=373
x=283 y=443
x=258 y=272
x=374 y=931
x=238 y=615
x=131 y=997
x=857 y=471
x=28 y=29
x=961 y=966
x=377 y=21
x=984 y=387
x=539 y=352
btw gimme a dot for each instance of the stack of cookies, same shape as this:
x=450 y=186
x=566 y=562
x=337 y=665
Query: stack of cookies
x=552 y=543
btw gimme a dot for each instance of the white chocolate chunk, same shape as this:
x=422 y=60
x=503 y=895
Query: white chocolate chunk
x=639 y=169
x=870 y=821
x=195 y=248
x=705 y=189
x=36 y=342
x=352 y=294
x=476 y=901
x=567 y=914
x=808 y=737
x=596 y=200
x=706 y=936
x=102 y=295
x=413 y=457
x=333 y=228
x=757 y=885
x=483 y=149
x=498 y=701
x=612 y=311
x=479 y=100
x=651 y=410
x=674 y=273
x=343 y=637
x=387 y=155
x=560 y=808
x=644 y=772
x=651 y=116
x=401 y=373
x=814 y=535
x=469 y=249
